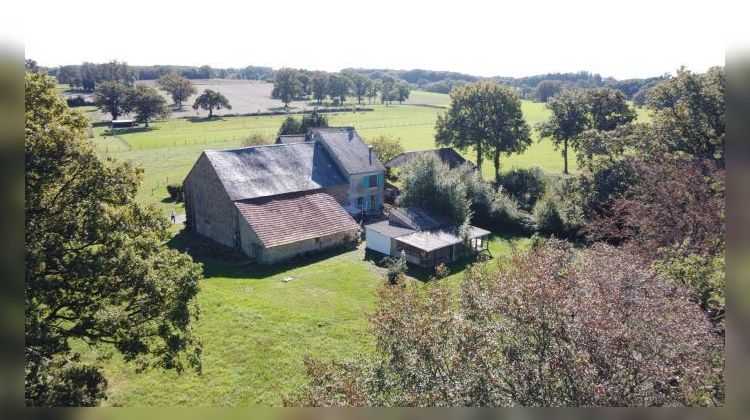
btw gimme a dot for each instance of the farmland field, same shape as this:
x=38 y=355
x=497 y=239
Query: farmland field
x=256 y=325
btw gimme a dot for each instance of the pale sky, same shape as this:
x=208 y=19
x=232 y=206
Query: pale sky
x=635 y=38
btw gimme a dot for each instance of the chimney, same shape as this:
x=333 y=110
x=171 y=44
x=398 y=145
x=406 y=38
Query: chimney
x=369 y=149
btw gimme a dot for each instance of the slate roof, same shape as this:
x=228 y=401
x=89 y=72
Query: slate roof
x=348 y=149
x=263 y=171
x=389 y=228
x=446 y=154
x=290 y=138
x=416 y=218
x=289 y=218
x=438 y=238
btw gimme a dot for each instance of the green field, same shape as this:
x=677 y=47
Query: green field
x=257 y=324
x=168 y=149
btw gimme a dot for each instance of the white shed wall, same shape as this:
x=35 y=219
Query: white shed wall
x=377 y=241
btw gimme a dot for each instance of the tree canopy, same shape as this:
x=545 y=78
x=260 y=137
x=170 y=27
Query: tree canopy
x=210 y=100
x=550 y=327
x=286 y=85
x=113 y=98
x=486 y=116
x=179 y=87
x=148 y=104
x=96 y=268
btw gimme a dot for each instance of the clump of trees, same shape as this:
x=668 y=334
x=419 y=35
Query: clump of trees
x=486 y=116
x=576 y=111
x=210 y=100
x=180 y=88
x=96 y=269
x=551 y=327
x=292 y=125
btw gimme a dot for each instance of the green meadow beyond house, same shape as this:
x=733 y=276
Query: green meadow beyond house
x=278 y=201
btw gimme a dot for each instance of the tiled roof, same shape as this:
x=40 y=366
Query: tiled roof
x=348 y=148
x=446 y=155
x=263 y=171
x=294 y=217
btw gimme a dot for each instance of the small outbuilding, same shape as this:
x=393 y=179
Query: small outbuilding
x=426 y=240
x=123 y=123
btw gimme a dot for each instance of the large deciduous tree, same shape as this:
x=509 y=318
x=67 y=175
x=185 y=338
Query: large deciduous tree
x=96 y=269
x=386 y=147
x=210 y=100
x=148 y=104
x=113 y=98
x=361 y=84
x=552 y=326
x=607 y=109
x=180 y=88
x=487 y=116
x=339 y=86
x=319 y=84
x=286 y=85
x=569 y=119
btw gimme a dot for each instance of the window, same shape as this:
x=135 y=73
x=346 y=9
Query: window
x=360 y=202
x=373 y=202
x=373 y=181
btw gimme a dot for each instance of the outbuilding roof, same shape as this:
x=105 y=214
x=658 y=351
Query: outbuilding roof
x=416 y=218
x=263 y=171
x=348 y=149
x=289 y=218
x=430 y=240
x=389 y=229
x=447 y=155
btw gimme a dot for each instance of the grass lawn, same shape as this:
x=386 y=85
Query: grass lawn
x=256 y=329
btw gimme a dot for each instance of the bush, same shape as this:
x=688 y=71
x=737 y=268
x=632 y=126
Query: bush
x=547 y=218
x=526 y=186
x=175 y=192
x=256 y=139
x=75 y=101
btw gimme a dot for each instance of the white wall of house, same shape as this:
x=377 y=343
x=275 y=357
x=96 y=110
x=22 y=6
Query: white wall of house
x=377 y=241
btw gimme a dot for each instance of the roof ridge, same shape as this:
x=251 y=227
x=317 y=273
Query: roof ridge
x=258 y=146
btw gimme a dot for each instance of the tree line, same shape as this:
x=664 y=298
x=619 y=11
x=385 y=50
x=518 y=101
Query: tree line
x=295 y=84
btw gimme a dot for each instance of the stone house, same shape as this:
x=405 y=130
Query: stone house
x=277 y=201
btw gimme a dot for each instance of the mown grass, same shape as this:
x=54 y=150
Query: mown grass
x=257 y=325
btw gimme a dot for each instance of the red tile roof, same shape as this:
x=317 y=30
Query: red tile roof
x=288 y=218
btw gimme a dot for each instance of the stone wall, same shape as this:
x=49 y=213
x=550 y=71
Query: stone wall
x=208 y=208
x=309 y=246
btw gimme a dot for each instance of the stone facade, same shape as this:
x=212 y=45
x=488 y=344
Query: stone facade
x=208 y=208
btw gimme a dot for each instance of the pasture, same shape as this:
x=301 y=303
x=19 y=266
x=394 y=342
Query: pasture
x=257 y=324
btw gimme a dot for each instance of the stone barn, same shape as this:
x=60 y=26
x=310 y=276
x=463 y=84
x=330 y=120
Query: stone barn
x=278 y=201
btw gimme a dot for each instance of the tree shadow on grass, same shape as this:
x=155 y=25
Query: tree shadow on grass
x=204 y=119
x=221 y=261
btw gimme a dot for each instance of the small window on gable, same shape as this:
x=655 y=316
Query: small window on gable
x=373 y=181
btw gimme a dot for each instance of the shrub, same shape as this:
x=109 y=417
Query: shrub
x=526 y=186
x=75 y=101
x=547 y=218
x=175 y=192
x=396 y=268
x=256 y=139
